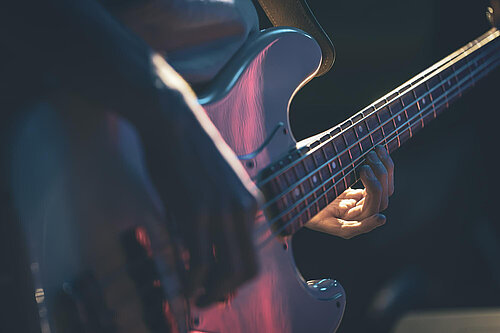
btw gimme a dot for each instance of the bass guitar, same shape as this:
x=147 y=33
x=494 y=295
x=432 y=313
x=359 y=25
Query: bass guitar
x=131 y=286
x=249 y=104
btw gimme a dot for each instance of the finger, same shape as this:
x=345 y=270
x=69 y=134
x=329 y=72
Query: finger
x=380 y=172
x=386 y=159
x=355 y=194
x=370 y=223
x=373 y=190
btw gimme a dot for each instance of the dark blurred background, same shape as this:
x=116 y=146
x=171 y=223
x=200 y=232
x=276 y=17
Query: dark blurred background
x=440 y=247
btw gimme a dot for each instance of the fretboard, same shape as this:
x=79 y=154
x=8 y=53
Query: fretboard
x=306 y=180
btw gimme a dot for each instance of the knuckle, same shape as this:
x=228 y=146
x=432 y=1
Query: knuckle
x=384 y=204
x=377 y=188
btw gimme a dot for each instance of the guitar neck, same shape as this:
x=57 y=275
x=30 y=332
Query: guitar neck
x=306 y=180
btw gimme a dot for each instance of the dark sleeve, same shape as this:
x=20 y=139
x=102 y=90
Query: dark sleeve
x=72 y=44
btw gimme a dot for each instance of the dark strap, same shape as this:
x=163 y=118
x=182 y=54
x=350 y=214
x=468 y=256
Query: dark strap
x=296 y=13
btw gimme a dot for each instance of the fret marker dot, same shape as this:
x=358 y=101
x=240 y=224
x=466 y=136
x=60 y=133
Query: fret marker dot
x=315 y=179
x=449 y=83
x=360 y=129
x=423 y=100
x=296 y=192
x=399 y=118
x=334 y=165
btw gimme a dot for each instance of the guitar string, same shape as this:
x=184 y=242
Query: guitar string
x=407 y=126
x=434 y=72
x=463 y=55
x=442 y=97
x=366 y=136
x=277 y=232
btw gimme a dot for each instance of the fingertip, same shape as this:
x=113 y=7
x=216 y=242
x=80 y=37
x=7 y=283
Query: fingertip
x=381 y=150
x=381 y=219
x=367 y=171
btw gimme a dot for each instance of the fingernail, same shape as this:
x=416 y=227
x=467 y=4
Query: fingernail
x=372 y=157
x=381 y=150
x=381 y=219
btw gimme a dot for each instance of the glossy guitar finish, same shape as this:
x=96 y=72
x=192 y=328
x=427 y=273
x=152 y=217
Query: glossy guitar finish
x=249 y=104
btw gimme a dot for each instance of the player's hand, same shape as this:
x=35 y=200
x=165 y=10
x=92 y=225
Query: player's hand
x=205 y=188
x=357 y=211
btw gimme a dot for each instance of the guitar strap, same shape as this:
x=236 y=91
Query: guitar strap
x=296 y=13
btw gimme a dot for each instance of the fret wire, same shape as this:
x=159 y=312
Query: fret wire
x=300 y=186
x=428 y=93
x=394 y=121
x=276 y=233
x=301 y=183
x=312 y=182
x=383 y=131
x=431 y=97
x=344 y=169
x=456 y=78
x=330 y=170
x=341 y=163
x=321 y=167
x=348 y=149
x=444 y=90
x=437 y=68
x=357 y=139
x=369 y=133
x=406 y=114
x=419 y=108
x=468 y=66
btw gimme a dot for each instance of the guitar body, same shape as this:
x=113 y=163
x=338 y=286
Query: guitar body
x=249 y=104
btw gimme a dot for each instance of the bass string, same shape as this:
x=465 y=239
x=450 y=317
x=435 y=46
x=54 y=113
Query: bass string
x=464 y=54
x=407 y=124
x=290 y=188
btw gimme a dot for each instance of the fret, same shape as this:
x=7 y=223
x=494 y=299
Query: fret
x=448 y=78
x=306 y=185
x=373 y=124
x=436 y=93
x=310 y=185
x=399 y=118
x=481 y=59
x=451 y=84
x=421 y=101
x=411 y=111
x=334 y=166
x=299 y=191
x=442 y=103
x=362 y=133
x=388 y=128
x=327 y=174
x=351 y=140
x=462 y=71
x=345 y=161
x=291 y=195
x=321 y=176
x=424 y=103
x=471 y=67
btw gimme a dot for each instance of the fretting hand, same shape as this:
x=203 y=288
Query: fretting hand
x=357 y=211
